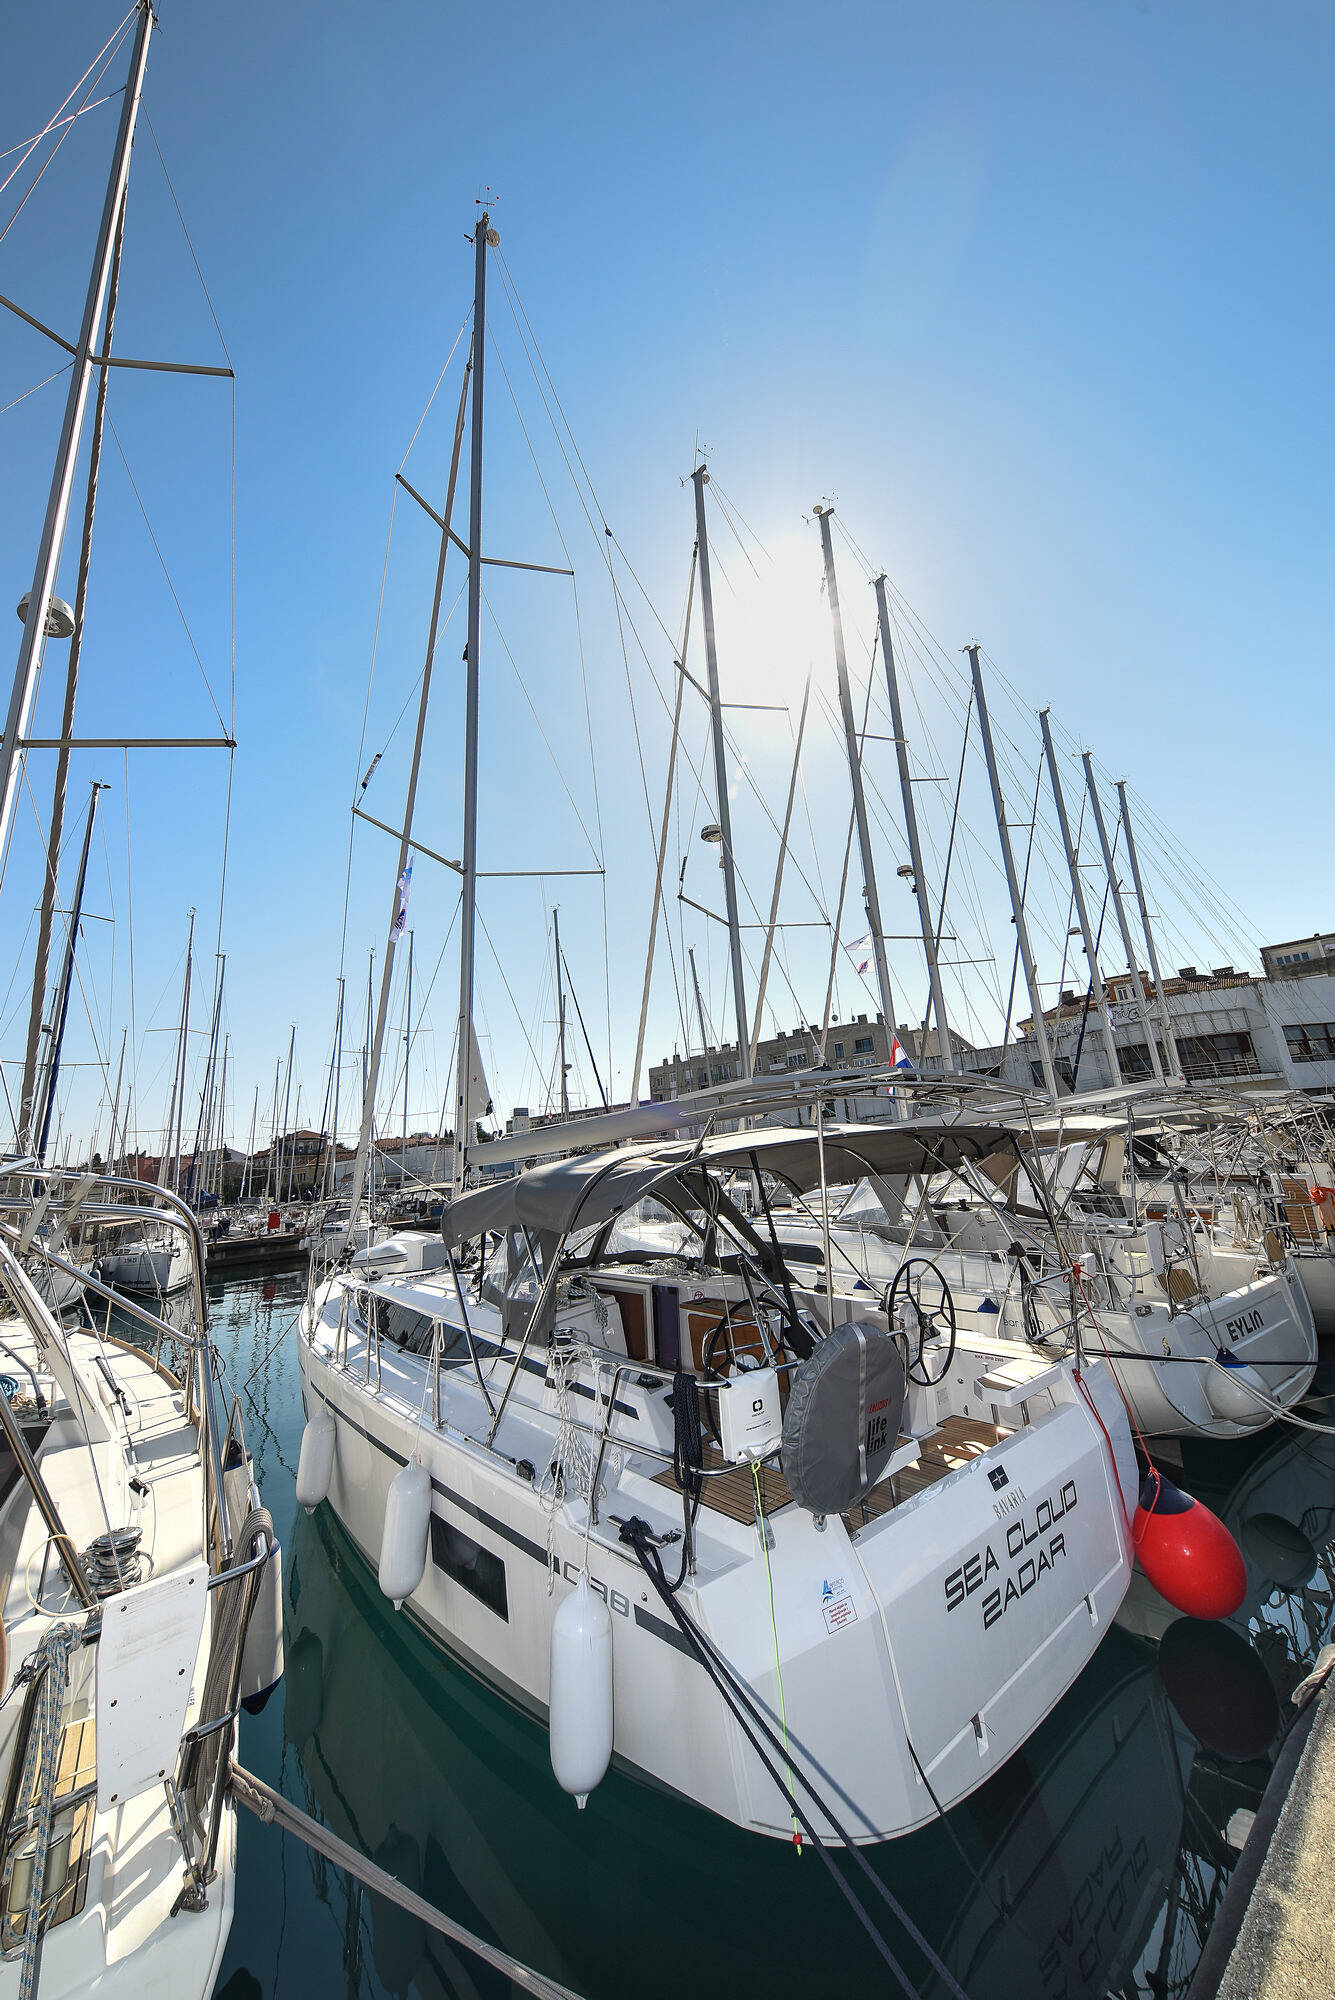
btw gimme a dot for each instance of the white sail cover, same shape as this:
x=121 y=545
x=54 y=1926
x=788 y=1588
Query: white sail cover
x=474 y=1090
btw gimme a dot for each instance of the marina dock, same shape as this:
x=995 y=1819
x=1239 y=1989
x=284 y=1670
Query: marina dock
x=1272 y=1939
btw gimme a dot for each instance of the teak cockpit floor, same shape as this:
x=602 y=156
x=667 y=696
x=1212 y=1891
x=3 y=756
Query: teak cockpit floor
x=733 y=1492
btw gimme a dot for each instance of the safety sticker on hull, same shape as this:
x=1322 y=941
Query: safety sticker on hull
x=836 y=1603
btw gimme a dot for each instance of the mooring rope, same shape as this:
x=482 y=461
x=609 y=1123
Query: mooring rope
x=274 y=1810
x=49 y=1665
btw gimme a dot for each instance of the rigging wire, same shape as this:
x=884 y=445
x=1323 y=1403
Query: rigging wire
x=108 y=49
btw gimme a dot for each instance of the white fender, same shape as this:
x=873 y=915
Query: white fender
x=580 y=1696
x=315 y=1467
x=403 y=1539
x=1236 y=1393
x=262 y=1655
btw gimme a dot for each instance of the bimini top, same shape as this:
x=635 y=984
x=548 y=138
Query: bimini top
x=564 y=1195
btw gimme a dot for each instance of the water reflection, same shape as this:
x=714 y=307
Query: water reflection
x=1090 y=1865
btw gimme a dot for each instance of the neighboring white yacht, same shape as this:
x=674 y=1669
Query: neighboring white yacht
x=157 y=1263
x=1200 y=1340
x=141 y=1599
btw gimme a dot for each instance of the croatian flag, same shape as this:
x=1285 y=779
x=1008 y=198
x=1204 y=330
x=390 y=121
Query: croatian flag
x=400 y=923
x=898 y=1059
x=860 y=952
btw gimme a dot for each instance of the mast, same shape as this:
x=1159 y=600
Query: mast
x=407 y=1051
x=870 y=894
x=67 y=451
x=287 y=1105
x=700 y=1016
x=375 y=1035
x=248 y=1176
x=1012 y=880
x=1082 y=907
x=1128 y=942
x=292 y=1149
x=1169 y=1038
x=763 y=982
x=116 y=1104
x=204 y=1125
x=271 y=1165
x=56 y=830
x=560 y=1016
x=66 y=976
x=468 y=905
x=332 y=1165
x=944 y=1045
x=700 y=479
x=663 y=838
x=219 y=1137
x=176 y=1109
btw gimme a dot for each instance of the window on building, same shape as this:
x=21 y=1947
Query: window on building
x=1311 y=1041
x=838 y=1051
x=862 y=1045
x=480 y=1572
x=1206 y=1056
x=796 y=1058
x=1134 y=1060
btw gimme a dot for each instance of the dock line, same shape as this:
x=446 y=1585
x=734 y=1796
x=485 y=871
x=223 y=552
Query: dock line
x=273 y=1809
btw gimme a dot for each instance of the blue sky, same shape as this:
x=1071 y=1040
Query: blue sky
x=1039 y=296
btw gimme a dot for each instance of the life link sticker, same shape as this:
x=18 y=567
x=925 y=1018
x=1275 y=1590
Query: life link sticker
x=836 y=1603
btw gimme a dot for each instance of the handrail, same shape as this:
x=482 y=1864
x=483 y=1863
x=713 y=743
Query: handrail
x=174 y=1213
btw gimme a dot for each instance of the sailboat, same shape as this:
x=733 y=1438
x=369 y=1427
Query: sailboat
x=679 y=1507
x=139 y=1575
x=157 y=1261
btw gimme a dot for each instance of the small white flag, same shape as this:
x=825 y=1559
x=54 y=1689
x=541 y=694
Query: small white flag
x=860 y=951
x=400 y=923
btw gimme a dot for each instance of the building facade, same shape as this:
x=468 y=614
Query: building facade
x=860 y=1043
x=1236 y=1028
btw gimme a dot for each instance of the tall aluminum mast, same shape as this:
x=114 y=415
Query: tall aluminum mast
x=1123 y=925
x=870 y=895
x=67 y=451
x=176 y=1109
x=62 y=1006
x=482 y=235
x=407 y=1057
x=1082 y=907
x=560 y=1017
x=1166 y=1019
x=700 y=478
x=1012 y=879
x=945 y=1047
x=376 y=1034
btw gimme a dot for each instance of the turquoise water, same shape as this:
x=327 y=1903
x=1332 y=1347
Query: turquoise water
x=1090 y=1864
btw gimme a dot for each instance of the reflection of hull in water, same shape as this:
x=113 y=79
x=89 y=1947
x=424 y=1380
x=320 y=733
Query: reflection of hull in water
x=1082 y=1834
x=448 y=1787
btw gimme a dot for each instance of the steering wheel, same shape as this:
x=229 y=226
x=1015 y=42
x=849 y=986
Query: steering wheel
x=920 y=1307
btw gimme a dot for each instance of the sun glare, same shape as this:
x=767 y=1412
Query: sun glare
x=773 y=623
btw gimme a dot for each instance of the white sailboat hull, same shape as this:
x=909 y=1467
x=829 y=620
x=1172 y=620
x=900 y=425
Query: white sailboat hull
x=944 y=1637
